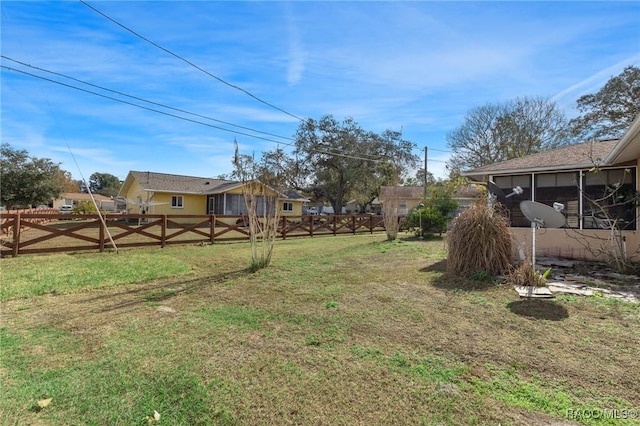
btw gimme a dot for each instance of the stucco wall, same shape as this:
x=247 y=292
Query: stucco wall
x=573 y=244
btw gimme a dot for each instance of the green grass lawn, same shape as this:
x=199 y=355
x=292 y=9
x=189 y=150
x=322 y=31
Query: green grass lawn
x=338 y=330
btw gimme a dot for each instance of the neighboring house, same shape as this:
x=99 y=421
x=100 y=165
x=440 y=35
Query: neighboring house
x=567 y=175
x=467 y=195
x=376 y=206
x=161 y=193
x=353 y=207
x=75 y=198
x=405 y=197
x=408 y=197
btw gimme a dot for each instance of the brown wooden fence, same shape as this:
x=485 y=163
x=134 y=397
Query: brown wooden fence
x=47 y=215
x=27 y=233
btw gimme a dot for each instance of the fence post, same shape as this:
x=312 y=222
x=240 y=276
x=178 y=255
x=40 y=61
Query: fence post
x=284 y=228
x=16 y=235
x=163 y=231
x=101 y=235
x=212 y=228
x=334 y=224
x=353 y=223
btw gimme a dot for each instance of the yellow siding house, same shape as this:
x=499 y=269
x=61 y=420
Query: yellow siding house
x=160 y=193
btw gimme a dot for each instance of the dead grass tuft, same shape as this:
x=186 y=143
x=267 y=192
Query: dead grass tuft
x=479 y=240
x=526 y=275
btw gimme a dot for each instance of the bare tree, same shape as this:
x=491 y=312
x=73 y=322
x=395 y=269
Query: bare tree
x=261 y=189
x=499 y=132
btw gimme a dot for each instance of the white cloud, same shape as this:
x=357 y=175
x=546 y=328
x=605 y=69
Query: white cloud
x=595 y=81
x=296 y=63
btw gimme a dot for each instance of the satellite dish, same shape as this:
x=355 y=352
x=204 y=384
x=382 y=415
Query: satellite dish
x=541 y=216
x=499 y=195
x=496 y=192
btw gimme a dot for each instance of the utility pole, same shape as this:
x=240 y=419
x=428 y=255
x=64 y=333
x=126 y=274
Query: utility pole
x=425 y=172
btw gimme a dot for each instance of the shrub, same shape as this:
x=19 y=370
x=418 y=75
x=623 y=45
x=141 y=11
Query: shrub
x=85 y=207
x=431 y=220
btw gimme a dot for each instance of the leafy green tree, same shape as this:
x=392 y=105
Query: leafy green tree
x=69 y=184
x=26 y=180
x=609 y=112
x=443 y=202
x=104 y=184
x=498 y=132
x=431 y=179
x=418 y=179
x=340 y=161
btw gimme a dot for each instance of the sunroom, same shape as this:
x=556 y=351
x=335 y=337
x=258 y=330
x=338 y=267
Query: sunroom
x=594 y=184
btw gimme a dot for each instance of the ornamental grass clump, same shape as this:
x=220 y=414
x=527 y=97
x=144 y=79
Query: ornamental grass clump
x=525 y=275
x=479 y=240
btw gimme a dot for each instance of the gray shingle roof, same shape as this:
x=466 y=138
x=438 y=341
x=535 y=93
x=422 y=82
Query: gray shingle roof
x=404 y=192
x=162 y=182
x=568 y=157
x=81 y=196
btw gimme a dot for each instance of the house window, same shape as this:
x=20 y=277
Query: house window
x=176 y=202
x=287 y=207
x=233 y=204
x=403 y=210
x=607 y=199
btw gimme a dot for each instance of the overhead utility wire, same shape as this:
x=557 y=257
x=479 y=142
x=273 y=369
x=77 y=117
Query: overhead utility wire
x=189 y=62
x=142 y=99
x=180 y=117
x=139 y=106
x=93 y=200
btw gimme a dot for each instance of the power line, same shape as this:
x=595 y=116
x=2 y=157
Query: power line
x=327 y=152
x=139 y=106
x=440 y=150
x=189 y=62
x=142 y=99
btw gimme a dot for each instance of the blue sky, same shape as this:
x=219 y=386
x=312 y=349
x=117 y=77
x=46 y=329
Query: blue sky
x=418 y=67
